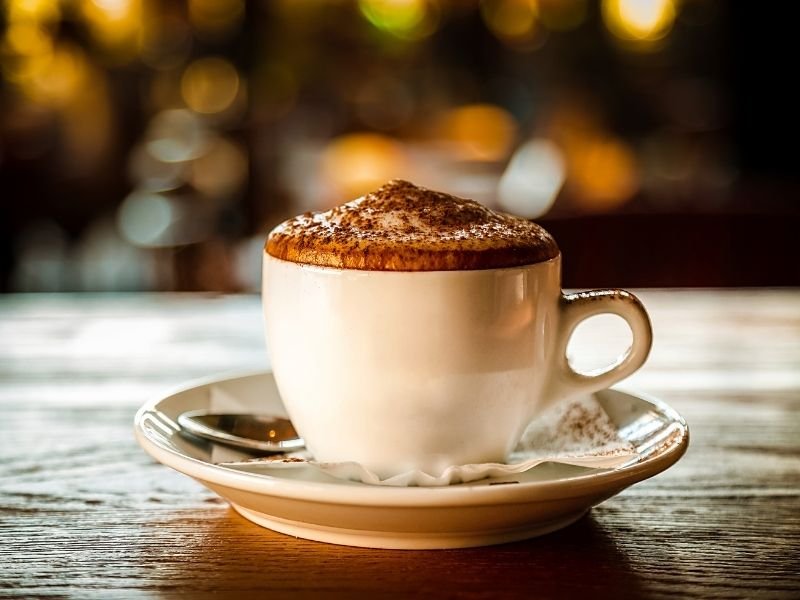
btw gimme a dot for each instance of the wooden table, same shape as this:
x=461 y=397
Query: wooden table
x=85 y=513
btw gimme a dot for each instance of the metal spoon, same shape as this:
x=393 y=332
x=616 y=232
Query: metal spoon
x=251 y=432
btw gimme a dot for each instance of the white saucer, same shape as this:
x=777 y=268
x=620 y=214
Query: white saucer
x=310 y=504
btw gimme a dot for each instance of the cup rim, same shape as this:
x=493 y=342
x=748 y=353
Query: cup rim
x=328 y=269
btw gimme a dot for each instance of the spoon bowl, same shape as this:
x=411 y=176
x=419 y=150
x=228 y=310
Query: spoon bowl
x=263 y=433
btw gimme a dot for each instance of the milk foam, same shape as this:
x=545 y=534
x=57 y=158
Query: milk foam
x=404 y=227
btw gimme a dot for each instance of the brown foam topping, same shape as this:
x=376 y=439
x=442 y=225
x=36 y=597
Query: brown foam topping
x=403 y=227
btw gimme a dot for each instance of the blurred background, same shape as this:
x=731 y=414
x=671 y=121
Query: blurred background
x=151 y=145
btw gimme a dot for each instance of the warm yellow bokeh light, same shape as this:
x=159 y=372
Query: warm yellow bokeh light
x=479 y=132
x=61 y=77
x=54 y=77
x=409 y=19
x=115 y=24
x=28 y=39
x=115 y=10
x=209 y=85
x=32 y=10
x=358 y=163
x=510 y=20
x=63 y=80
x=639 y=20
x=603 y=173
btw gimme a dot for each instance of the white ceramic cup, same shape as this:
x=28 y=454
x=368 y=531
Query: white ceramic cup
x=426 y=369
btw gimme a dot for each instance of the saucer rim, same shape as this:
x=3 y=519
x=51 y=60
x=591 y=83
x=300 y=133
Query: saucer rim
x=350 y=493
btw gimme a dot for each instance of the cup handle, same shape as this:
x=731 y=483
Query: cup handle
x=579 y=307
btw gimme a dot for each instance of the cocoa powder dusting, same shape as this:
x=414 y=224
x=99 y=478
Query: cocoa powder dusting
x=577 y=427
x=403 y=227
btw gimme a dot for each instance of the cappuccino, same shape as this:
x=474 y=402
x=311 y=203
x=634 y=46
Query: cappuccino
x=403 y=227
x=410 y=330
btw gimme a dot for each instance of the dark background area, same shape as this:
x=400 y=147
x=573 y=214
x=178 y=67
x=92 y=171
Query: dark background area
x=152 y=145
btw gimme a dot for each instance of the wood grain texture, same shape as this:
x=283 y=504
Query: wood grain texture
x=85 y=513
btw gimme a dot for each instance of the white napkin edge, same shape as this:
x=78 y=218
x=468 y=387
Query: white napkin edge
x=354 y=471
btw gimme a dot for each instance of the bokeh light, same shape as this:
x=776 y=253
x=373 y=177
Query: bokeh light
x=639 y=20
x=32 y=10
x=152 y=174
x=602 y=168
x=512 y=21
x=602 y=173
x=115 y=25
x=163 y=220
x=28 y=38
x=478 y=132
x=406 y=19
x=233 y=115
x=221 y=171
x=176 y=136
x=358 y=163
x=209 y=85
x=532 y=180
x=53 y=77
x=144 y=218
